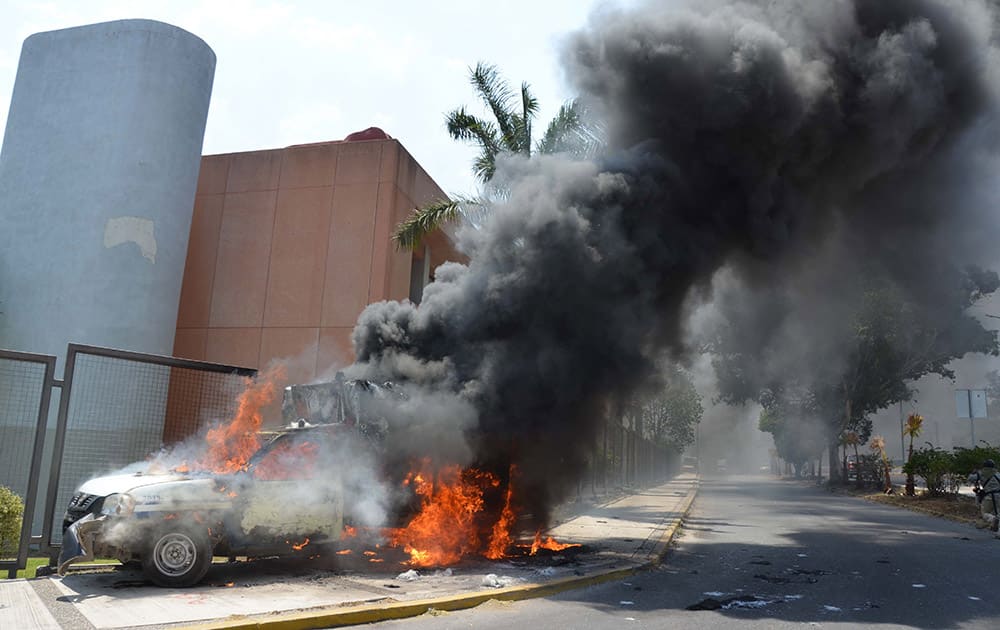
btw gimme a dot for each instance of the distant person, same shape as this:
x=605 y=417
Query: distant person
x=989 y=486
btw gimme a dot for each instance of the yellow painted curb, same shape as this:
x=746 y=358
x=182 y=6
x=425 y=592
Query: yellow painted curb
x=671 y=531
x=334 y=617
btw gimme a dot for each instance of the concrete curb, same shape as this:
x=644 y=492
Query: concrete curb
x=329 y=618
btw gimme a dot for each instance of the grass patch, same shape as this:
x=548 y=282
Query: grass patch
x=29 y=570
x=957 y=507
x=33 y=563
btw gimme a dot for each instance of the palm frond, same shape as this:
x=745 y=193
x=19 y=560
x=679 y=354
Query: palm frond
x=423 y=221
x=572 y=131
x=467 y=127
x=485 y=166
x=529 y=104
x=476 y=210
x=464 y=126
x=523 y=123
x=496 y=93
x=566 y=119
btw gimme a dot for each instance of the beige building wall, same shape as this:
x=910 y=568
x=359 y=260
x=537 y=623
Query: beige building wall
x=289 y=245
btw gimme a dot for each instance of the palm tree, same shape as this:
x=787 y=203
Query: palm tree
x=510 y=131
x=877 y=445
x=914 y=425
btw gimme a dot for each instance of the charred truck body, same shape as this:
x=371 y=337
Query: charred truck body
x=172 y=519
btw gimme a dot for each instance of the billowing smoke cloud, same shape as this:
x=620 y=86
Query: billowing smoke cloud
x=781 y=141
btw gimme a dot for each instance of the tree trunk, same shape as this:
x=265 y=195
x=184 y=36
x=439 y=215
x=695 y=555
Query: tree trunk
x=857 y=467
x=847 y=423
x=843 y=468
x=833 y=452
x=604 y=458
x=910 y=489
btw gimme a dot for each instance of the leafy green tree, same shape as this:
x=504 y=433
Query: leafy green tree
x=672 y=414
x=509 y=130
x=787 y=419
x=877 y=446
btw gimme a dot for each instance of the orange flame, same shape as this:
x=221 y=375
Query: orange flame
x=501 y=538
x=549 y=543
x=445 y=528
x=451 y=522
x=231 y=445
x=183 y=468
x=344 y=552
x=349 y=532
x=299 y=546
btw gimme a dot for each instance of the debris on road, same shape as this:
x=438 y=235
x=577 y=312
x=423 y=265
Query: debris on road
x=493 y=580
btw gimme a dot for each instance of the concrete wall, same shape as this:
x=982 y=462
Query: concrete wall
x=288 y=246
x=97 y=177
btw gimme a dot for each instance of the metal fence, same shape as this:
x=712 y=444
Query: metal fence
x=25 y=381
x=115 y=408
x=623 y=458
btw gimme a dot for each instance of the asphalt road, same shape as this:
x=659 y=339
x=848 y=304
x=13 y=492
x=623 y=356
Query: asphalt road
x=781 y=554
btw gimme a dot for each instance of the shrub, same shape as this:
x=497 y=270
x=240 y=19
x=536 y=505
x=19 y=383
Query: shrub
x=934 y=466
x=11 y=511
x=968 y=460
x=871 y=471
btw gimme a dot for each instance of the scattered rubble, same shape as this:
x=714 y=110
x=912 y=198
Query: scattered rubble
x=493 y=580
x=737 y=601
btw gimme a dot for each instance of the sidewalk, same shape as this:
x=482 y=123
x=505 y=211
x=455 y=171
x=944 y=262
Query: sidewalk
x=619 y=538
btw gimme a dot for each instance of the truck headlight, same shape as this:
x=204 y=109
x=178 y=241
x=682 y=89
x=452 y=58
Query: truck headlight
x=118 y=505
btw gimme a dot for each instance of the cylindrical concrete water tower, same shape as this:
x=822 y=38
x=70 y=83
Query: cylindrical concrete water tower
x=98 y=173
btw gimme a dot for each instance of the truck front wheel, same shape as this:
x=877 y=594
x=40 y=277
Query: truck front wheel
x=177 y=557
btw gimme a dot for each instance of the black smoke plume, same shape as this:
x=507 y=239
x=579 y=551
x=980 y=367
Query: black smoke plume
x=763 y=138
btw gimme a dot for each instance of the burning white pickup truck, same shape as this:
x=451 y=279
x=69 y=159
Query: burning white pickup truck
x=335 y=470
x=251 y=493
x=173 y=523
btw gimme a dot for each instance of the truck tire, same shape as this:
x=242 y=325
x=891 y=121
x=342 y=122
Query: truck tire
x=177 y=556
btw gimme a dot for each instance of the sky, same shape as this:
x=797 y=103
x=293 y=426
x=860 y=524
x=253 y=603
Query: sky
x=309 y=71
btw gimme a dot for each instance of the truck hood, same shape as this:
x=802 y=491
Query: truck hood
x=113 y=484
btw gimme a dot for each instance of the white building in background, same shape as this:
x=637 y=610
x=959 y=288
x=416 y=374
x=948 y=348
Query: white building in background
x=934 y=399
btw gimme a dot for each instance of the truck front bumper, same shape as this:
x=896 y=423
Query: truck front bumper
x=78 y=541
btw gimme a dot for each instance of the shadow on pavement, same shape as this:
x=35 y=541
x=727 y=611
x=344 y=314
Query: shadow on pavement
x=767 y=549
